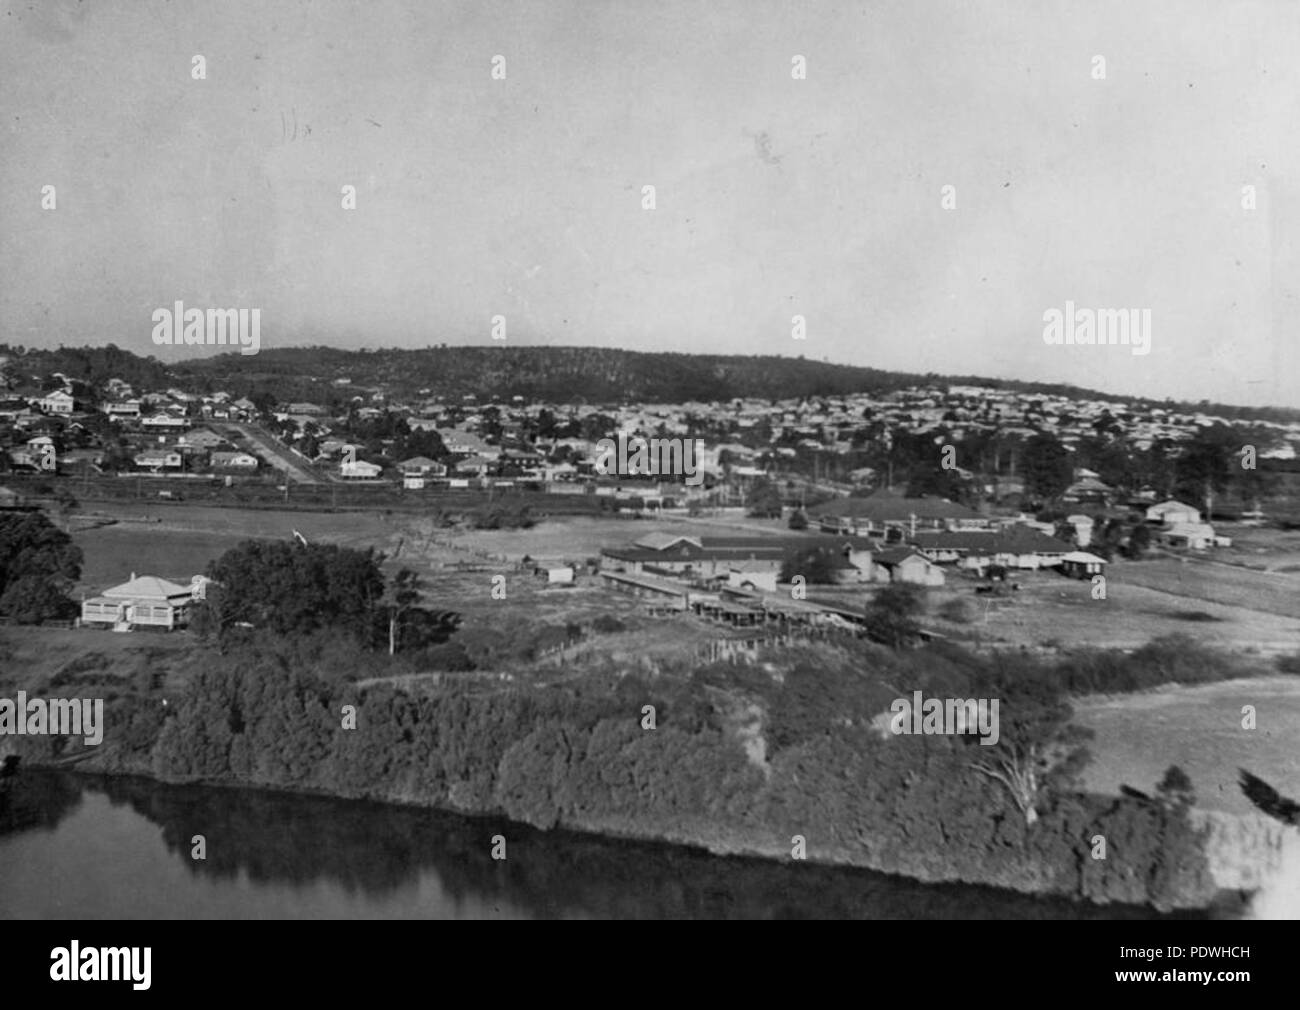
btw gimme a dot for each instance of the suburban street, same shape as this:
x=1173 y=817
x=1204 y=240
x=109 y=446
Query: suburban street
x=274 y=452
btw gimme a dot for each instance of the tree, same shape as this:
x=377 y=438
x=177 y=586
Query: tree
x=403 y=593
x=1038 y=751
x=1046 y=467
x=891 y=616
x=39 y=565
x=1175 y=789
x=926 y=479
x=1207 y=463
x=1139 y=539
x=294 y=589
x=764 y=500
x=815 y=564
x=31 y=599
x=798 y=521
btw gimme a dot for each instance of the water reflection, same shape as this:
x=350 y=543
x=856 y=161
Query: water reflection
x=372 y=855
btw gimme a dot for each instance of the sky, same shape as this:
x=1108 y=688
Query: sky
x=775 y=197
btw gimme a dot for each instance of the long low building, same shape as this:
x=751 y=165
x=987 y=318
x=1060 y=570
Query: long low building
x=877 y=514
x=1011 y=546
x=706 y=557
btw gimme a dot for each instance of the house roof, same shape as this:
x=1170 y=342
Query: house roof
x=894 y=508
x=202 y=436
x=1172 y=505
x=662 y=541
x=1009 y=540
x=897 y=555
x=414 y=461
x=147 y=587
x=1083 y=558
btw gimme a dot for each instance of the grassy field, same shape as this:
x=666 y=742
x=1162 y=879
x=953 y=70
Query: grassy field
x=582 y=537
x=1271 y=592
x=177 y=542
x=1216 y=605
x=1199 y=729
x=1260 y=547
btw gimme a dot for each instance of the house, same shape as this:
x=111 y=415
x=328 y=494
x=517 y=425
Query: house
x=13 y=409
x=82 y=460
x=58 y=402
x=466 y=443
x=906 y=564
x=331 y=447
x=144 y=602
x=24 y=459
x=165 y=422
x=421 y=466
x=1012 y=547
x=1088 y=489
x=12 y=501
x=666 y=541
x=1081 y=564
x=1196 y=536
x=876 y=514
x=200 y=438
x=559 y=576
x=358 y=469
x=240 y=462
x=1171 y=512
x=747 y=576
x=1082 y=529
x=716 y=557
x=475 y=465
x=158 y=459
x=122 y=408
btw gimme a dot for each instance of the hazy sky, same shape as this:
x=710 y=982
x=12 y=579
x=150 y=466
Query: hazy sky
x=775 y=197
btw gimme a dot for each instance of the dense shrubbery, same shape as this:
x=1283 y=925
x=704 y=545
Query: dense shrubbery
x=39 y=565
x=577 y=754
x=1169 y=660
x=293 y=589
x=299 y=590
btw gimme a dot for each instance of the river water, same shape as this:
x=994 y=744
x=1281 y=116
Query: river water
x=80 y=847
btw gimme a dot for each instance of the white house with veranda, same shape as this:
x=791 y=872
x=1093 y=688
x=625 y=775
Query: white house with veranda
x=144 y=602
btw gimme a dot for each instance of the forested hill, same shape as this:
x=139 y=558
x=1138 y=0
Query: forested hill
x=556 y=374
x=559 y=374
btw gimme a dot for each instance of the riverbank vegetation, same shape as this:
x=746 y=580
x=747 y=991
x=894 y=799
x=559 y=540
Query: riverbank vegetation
x=322 y=675
x=740 y=758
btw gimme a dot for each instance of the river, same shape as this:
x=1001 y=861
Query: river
x=85 y=847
